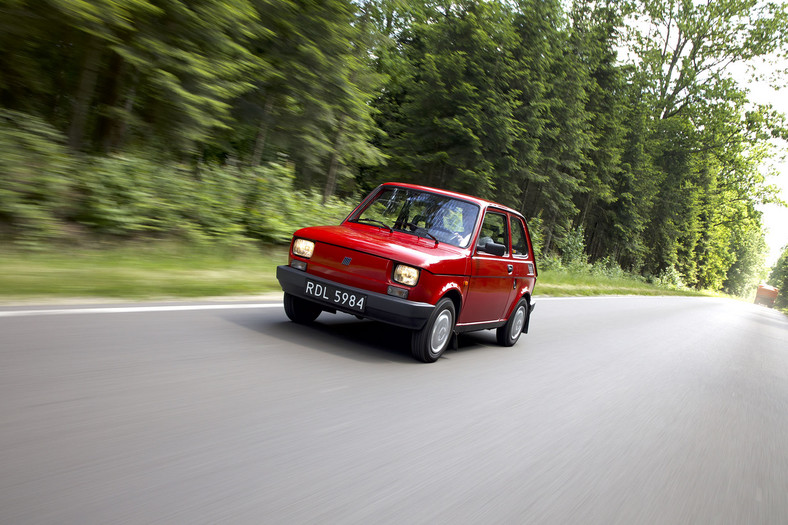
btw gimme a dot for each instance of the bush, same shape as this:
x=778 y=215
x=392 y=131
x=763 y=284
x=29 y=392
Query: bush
x=35 y=171
x=274 y=209
x=779 y=278
x=535 y=228
x=45 y=192
x=573 y=248
x=607 y=267
x=670 y=278
x=551 y=262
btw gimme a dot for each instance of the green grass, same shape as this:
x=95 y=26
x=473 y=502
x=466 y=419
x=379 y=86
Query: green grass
x=152 y=271
x=162 y=270
x=566 y=283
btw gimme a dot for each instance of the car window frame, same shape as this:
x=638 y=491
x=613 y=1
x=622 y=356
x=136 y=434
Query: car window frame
x=478 y=250
x=524 y=230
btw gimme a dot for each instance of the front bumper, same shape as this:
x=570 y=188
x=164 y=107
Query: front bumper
x=380 y=307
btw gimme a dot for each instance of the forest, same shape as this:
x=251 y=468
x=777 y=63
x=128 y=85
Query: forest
x=617 y=127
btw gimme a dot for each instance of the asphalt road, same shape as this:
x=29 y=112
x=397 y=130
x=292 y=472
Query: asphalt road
x=612 y=410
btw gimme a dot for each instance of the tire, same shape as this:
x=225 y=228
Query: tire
x=429 y=343
x=300 y=310
x=509 y=333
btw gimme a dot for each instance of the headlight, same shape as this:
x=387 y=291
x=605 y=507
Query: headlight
x=303 y=248
x=405 y=274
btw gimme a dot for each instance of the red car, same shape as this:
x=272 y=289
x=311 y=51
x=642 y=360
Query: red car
x=436 y=262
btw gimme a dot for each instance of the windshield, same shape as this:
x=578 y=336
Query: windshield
x=424 y=214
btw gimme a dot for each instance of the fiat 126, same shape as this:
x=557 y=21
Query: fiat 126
x=432 y=261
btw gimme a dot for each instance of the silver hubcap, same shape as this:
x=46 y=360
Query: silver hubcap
x=441 y=330
x=519 y=320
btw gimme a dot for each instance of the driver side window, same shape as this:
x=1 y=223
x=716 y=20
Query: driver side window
x=494 y=229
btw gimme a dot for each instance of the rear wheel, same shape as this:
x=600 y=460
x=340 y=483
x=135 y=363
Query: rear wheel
x=429 y=343
x=300 y=310
x=509 y=333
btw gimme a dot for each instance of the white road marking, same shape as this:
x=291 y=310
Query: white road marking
x=136 y=309
x=238 y=306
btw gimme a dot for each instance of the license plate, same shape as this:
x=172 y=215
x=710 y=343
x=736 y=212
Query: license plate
x=336 y=295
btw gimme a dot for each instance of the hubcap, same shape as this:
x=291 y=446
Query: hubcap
x=517 y=325
x=441 y=331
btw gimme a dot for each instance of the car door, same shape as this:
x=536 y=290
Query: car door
x=491 y=279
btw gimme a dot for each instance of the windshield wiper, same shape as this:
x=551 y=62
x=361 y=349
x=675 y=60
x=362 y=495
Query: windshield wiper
x=419 y=230
x=375 y=221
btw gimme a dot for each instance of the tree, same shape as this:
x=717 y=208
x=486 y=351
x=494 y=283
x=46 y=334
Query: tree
x=448 y=114
x=748 y=248
x=311 y=100
x=700 y=114
x=168 y=68
x=596 y=27
x=565 y=138
x=779 y=278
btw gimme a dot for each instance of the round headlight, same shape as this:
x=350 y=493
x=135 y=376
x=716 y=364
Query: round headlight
x=303 y=248
x=407 y=275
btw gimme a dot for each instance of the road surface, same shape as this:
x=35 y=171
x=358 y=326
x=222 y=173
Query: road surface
x=612 y=410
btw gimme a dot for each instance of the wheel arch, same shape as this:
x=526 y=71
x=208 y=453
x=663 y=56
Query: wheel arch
x=456 y=298
x=527 y=297
x=526 y=294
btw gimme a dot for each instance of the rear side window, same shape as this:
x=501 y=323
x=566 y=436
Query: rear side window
x=519 y=241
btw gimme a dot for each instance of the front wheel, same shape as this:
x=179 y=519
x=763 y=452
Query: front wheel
x=509 y=333
x=300 y=310
x=429 y=343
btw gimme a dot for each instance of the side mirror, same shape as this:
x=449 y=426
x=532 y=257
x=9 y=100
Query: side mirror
x=494 y=248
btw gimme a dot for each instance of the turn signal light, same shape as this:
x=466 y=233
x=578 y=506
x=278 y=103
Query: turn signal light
x=402 y=293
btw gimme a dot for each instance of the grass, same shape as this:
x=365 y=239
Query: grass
x=566 y=283
x=161 y=271
x=153 y=271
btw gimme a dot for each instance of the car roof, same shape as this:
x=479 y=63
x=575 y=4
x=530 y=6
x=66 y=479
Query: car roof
x=483 y=203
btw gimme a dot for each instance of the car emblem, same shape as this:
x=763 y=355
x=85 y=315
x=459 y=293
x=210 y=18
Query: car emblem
x=346 y=261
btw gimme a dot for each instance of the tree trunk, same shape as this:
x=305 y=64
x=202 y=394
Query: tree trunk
x=262 y=132
x=584 y=213
x=549 y=235
x=109 y=97
x=87 y=86
x=119 y=133
x=524 y=201
x=333 y=163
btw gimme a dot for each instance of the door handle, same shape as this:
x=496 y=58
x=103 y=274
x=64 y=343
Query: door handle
x=510 y=268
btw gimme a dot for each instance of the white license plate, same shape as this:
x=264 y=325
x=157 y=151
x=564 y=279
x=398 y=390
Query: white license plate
x=336 y=295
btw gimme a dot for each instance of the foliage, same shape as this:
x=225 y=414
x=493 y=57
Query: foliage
x=448 y=110
x=45 y=194
x=34 y=185
x=573 y=249
x=615 y=127
x=608 y=268
x=748 y=249
x=669 y=277
x=779 y=278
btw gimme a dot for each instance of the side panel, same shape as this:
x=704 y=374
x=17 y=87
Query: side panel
x=489 y=289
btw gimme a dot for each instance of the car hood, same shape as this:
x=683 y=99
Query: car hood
x=397 y=246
